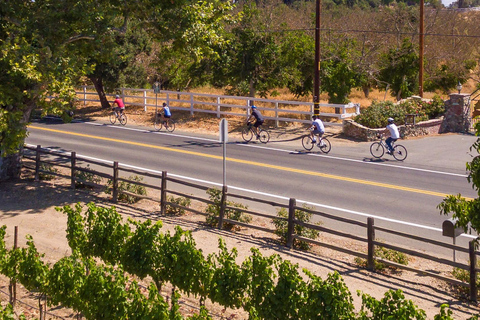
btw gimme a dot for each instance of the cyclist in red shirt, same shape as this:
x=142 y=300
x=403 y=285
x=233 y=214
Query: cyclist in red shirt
x=120 y=105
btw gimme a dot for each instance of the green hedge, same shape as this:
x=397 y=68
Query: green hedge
x=376 y=115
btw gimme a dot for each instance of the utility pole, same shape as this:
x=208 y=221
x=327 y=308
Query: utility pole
x=316 y=80
x=422 y=36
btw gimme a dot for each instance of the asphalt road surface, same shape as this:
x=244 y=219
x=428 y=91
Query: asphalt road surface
x=347 y=182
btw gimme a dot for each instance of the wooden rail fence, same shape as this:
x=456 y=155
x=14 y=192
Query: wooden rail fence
x=71 y=161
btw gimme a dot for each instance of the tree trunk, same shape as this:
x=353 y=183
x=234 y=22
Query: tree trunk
x=10 y=166
x=97 y=82
x=366 y=91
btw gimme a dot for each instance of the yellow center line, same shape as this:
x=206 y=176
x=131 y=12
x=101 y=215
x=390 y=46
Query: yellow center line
x=258 y=164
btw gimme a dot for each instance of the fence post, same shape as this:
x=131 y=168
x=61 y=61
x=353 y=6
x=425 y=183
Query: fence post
x=37 y=163
x=84 y=95
x=371 y=247
x=276 y=114
x=218 y=107
x=73 y=163
x=115 y=181
x=191 y=104
x=163 y=193
x=473 y=270
x=223 y=205
x=291 y=222
x=145 y=100
x=12 y=288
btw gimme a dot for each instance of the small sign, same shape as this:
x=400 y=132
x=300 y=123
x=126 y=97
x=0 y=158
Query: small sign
x=223 y=130
x=156 y=87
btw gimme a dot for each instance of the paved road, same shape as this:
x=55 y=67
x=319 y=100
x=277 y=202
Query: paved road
x=347 y=182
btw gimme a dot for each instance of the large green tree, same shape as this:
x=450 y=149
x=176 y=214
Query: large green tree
x=400 y=69
x=46 y=46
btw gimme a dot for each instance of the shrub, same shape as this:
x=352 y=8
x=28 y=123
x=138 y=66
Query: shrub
x=281 y=227
x=129 y=187
x=83 y=177
x=464 y=275
x=376 y=115
x=213 y=211
x=47 y=170
x=387 y=254
x=174 y=210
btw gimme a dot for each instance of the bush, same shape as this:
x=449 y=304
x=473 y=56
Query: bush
x=129 y=187
x=174 y=210
x=84 y=176
x=387 y=254
x=281 y=228
x=464 y=275
x=47 y=168
x=213 y=211
x=376 y=115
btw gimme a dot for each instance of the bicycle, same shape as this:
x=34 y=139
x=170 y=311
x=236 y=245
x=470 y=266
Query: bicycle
x=160 y=122
x=377 y=149
x=323 y=143
x=249 y=132
x=122 y=117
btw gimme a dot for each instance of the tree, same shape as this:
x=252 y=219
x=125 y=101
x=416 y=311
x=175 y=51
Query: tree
x=45 y=47
x=400 y=69
x=467 y=211
x=338 y=73
x=38 y=60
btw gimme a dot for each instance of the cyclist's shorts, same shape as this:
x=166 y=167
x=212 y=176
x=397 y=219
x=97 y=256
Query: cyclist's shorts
x=258 y=123
x=320 y=133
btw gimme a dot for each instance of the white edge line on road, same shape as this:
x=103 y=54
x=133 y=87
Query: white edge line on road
x=357 y=213
x=359 y=161
x=283 y=150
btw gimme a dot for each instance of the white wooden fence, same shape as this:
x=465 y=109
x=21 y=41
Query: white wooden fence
x=221 y=105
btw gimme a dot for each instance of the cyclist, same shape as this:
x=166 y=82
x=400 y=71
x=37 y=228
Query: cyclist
x=167 y=114
x=258 y=119
x=394 y=134
x=317 y=128
x=120 y=105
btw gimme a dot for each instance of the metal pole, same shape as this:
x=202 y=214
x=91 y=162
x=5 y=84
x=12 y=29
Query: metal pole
x=316 y=80
x=224 y=162
x=422 y=36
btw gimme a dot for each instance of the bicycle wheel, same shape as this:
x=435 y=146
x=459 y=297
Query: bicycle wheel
x=326 y=146
x=170 y=127
x=377 y=150
x=399 y=152
x=113 y=117
x=264 y=136
x=307 y=142
x=123 y=119
x=247 y=134
x=157 y=124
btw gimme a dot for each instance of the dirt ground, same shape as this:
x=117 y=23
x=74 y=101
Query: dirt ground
x=30 y=205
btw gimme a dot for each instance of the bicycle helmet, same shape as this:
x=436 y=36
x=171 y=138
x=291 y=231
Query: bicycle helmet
x=117 y=96
x=314 y=118
x=254 y=107
x=390 y=120
x=164 y=104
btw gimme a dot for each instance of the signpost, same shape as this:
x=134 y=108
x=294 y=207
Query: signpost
x=156 y=89
x=224 y=138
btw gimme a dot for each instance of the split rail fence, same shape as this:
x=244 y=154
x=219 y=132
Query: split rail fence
x=165 y=185
x=222 y=105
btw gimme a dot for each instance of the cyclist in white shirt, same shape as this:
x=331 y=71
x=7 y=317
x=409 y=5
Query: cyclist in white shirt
x=317 y=128
x=394 y=134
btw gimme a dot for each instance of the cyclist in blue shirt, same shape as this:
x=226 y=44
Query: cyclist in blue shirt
x=166 y=113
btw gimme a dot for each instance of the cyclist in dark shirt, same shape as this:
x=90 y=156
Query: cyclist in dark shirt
x=258 y=119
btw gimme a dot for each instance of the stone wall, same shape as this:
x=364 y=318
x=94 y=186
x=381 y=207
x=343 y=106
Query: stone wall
x=357 y=131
